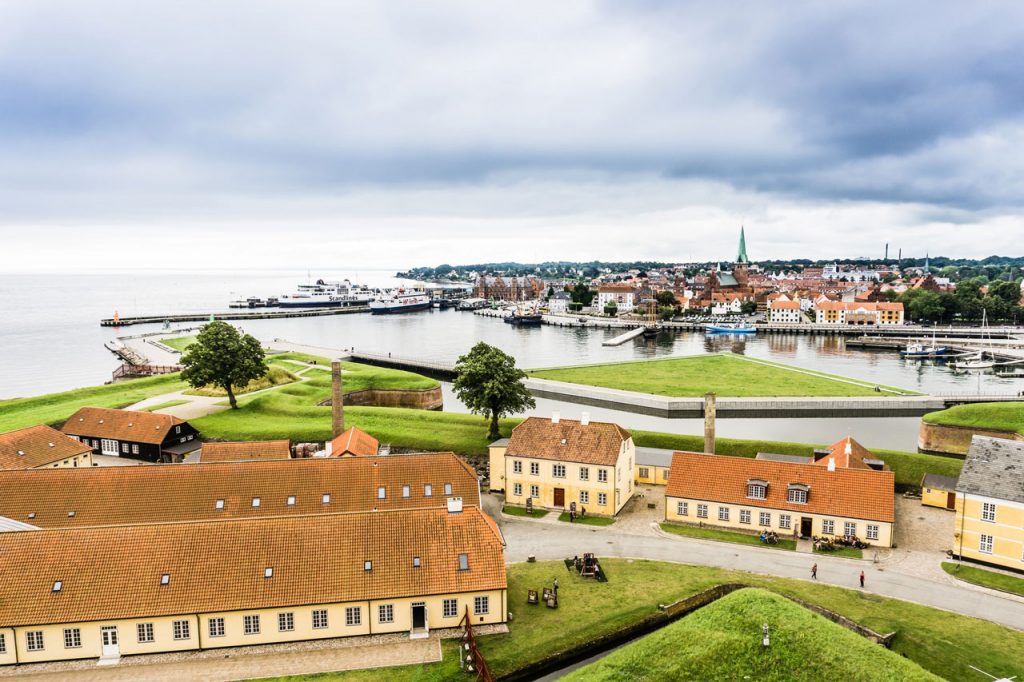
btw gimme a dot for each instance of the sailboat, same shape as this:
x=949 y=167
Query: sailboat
x=979 y=361
x=651 y=322
x=923 y=350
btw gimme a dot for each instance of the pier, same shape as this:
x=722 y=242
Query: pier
x=264 y=314
x=623 y=338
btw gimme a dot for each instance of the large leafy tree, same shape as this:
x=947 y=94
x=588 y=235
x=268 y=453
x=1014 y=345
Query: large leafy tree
x=223 y=357
x=489 y=383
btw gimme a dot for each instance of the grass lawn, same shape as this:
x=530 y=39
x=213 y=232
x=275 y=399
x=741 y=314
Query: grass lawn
x=995 y=416
x=277 y=375
x=588 y=521
x=722 y=642
x=850 y=552
x=724 y=535
x=941 y=642
x=521 y=511
x=985 y=578
x=725 y=374
x=54 y=408
x=179 y=343
x=162 y=406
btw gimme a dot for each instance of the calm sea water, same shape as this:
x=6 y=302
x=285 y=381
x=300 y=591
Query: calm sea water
x=50 y=340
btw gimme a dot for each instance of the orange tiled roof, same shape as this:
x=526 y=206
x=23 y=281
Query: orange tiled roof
x=36 y=446
x=569 y=441
x=219 y=566
x=857 y=305
x=784 y=305
x=356 y=442
x=848 y=454
x=189 y=492
x=137 y=427
x=246 y=451
x=850 y=493
x=617 y=287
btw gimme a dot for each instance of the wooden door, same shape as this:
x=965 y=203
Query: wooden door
x=559 y=497
x=950 y=500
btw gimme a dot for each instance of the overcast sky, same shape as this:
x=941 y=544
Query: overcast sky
x=393 y=134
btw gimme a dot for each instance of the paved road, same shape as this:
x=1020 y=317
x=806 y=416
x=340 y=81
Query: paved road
x=549 y=541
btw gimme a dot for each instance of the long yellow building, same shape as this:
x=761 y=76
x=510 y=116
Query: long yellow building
x=42 y=447
x=989 y=525
x=565 y=464
x=117 y=590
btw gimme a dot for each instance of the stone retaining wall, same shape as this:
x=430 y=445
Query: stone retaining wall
x=954 y=440
x=425 y=399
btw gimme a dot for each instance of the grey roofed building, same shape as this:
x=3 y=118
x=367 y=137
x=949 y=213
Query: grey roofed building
x=654 y=457
x=938 y=482
x=792 y=459
x=994 y=468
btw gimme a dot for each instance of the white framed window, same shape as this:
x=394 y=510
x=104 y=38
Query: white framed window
x=785 y=521
x=702 y=511
x=386 y=613
x=644 y=472
x=447 y=488
x=428 y=490
x=450 y=608
x=416 y=563
x=286 y=621
x=124 y=448
x=534 y=469
x=764 y=518
x=558 y=470
x=723 y=513
x=34 y=640
x=988 y=511
x=849 y=528
x=291 y=501
x=135 y=448
x=319 y=619
x=602 y=499
x=325 y=498
x=353 y=615
x=3 y=638
x=216 y=627
x=72 y=638
x=985 y=544
x=255 y=502
x=872 y=532
x=517 y=489
x=144 y=631
x=405 y=491
x=757 y=491
x=517 y=467
x=481 y=605
x=463 y=562
x=828 y=526
x=797 y=496
x=219 y=504
x=181 y=629
x=745 y=516
x=382 y=493
x=584 y=497
x=251 y=624
x=534 y=491
x=177 y=429
x=602 y=475
x=584 y=473
x=683 y=508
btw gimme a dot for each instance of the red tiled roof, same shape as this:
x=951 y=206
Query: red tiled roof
x=37 y=446
x=356 y=442
x=129 y=425
x=850 y=493
x=848 y=454
x=616 y=288
x=568 y=441
x=246 y=451
x=784 y=305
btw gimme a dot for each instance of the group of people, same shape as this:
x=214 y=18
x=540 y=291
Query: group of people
x=573 y=515
x=769 y=537
x=814 y=574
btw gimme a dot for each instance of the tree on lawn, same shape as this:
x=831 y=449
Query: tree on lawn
x=489 y=383
x=223 y=357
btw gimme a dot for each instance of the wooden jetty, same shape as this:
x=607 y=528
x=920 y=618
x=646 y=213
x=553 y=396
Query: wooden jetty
x=233 y=315
x=623 y=338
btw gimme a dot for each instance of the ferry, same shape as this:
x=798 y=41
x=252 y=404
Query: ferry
x=728 y=328
x=327 y=295
x=399 y=301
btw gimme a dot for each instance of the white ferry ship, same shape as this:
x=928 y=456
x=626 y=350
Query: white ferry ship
x=327 y=295
x=400 y=301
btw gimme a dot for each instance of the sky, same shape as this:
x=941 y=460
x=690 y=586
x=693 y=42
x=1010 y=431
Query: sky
x=266 y=134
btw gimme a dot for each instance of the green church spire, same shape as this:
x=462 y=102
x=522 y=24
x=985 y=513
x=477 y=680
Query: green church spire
x=742 y=256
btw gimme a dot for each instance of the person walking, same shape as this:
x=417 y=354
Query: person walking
x=556 y=588
x=814 y=572
x=862 y=578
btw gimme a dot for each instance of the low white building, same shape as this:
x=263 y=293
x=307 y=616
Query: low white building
x=623 y=295
x=559 y=303
x=784 y=311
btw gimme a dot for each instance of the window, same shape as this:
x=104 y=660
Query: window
x=124 y=448
x=368 y=565
x=463 y=562
x=181 y=629
x=382 y=493
x=785 y=521
x=319 y=619
x=602 y=475
x=702 y=511
x=255 y=502
x=723 y=513
x=405 y=491
x=428 y=490
x=135 y=448
x=285 y=621
x=268 y=572
x=177 y=429
x=251 y=624
x=558 y=470
x=797 y=495
x=517 y=467
x=216 y=627
x=757 y=490
x=219 y=504
x=602 y=499
x=353 y=615
x=415 y=562
x=872 y=532
x=481 y=605
x=988 y=511
x=584 y=497
x=828 y=526
x=534 y=491
x=58 y=585
x=326 y=499
x=683 y=508
x=985 y=545
x=450 y=608
x=165 y=579
x=584 y=473
x=764 y=519
x=744 y=516
x=517 y=489
x=386 y=613
x=644 y=472
x=3 y=644
x=849 y=528
x=447 y=488
x=534 y=469
x=144 y=632
x=291 y=501
x=34 y=640
x=72 y=638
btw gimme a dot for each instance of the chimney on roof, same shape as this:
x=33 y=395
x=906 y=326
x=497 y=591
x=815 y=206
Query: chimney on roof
x=337 y=404
x=709 y=423
x=584 y=418
x=454 y=505
x=555 y=417
x=831 y=463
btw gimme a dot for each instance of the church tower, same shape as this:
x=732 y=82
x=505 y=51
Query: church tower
x=739 y=268
x=741 y=257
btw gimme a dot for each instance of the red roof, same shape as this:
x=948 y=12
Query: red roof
x=848 y=454
x=354 y=442
x=37 y=446
x=129 y=425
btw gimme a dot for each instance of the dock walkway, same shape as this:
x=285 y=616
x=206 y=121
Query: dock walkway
x=264 y=314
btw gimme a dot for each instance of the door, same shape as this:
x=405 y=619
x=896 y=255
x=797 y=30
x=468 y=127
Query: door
x=110 y=646
x=805 y=527
x=950 y=500
x=419 y=616
x=108 y=447
x=559 y=497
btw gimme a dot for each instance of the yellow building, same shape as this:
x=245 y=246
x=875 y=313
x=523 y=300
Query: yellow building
x=789 y=498
x=652 y=465
x=938 y=491
x=558 y=463
x=989 y=525
x=104 y=592
x=42 y=447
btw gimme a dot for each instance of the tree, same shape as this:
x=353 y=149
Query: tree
x=551 y=292
x=582 y=294
x=611 y=308
x=489 y=383
x=223 y=357
x=748 y=307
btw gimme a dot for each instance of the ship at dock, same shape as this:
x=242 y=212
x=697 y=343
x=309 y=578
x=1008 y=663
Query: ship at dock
x=327 y=295
x=400 y=300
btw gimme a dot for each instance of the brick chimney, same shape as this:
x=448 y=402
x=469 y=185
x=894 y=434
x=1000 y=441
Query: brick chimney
x=709 y=423
x=337 y=402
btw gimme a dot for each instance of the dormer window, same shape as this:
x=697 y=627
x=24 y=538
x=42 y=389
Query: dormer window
x=268 y=572
x=798 y=493
x=165 y=579
x=757 y=489
x=367 y=565
x=219 y=504
x=58 y=585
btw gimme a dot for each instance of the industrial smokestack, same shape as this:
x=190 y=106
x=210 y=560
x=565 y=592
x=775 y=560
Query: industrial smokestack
x=887 y=252
x=709 y=423
x=337 y=402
